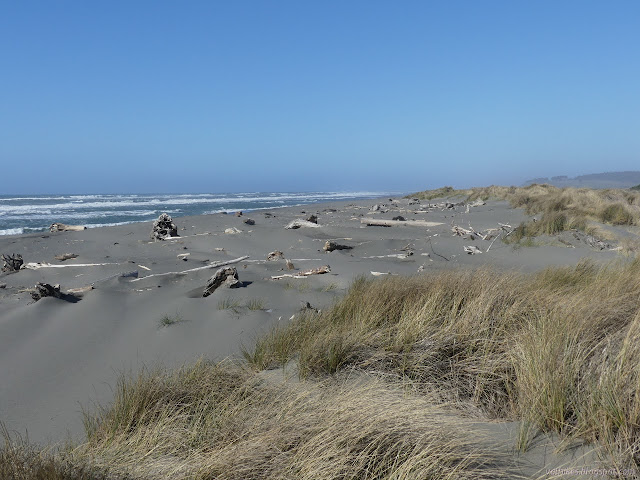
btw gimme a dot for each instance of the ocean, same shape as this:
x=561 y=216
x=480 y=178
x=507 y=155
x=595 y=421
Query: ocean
x=35 y=213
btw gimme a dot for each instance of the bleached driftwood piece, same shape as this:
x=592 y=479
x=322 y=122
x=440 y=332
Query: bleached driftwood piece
x=184 y=272
x=392 y=255
x=66 y=256
x=460 y=231
x=225 y=276
x=37 y=265
x=472 y=249
x=61 y=227
x=12 y=263
x=396 y=223
x=78 y=292
x=232 y=231
x=305 y=273
x=300 y=223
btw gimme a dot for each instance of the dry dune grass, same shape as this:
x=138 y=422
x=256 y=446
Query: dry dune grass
x=222 y=421
x=382 y=373
x=559 y=209
x=559 y=349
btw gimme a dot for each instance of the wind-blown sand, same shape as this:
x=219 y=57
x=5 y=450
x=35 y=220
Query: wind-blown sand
x=58 y=357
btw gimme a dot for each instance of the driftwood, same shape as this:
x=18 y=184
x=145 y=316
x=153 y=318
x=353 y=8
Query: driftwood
x=12 y=263
x=66 y=256
x=37 y=265
x=61 y=227
x=163 y=228
x=461 y=232
x=227 y=276
x=184 y=272
x=312 y=219
x=330 y=246
x=472 y=249
x=232 y=231
x=305 y=273
x=79 y=292
x=275 y=255
x=397 y=223
x=300 y=223
x=45 y=290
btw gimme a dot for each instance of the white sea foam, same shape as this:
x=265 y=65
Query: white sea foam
x=35 y=213
x=12 y=231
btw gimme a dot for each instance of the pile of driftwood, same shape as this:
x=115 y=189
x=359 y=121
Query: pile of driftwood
x=12 y=263
x=163 y=228
x=470 y=233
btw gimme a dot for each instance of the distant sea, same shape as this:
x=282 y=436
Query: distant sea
x=35 y=213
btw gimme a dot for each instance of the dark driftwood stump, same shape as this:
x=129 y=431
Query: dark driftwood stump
x=225 y=276
x=330 y=246
x=45 y=290
x=163 y=228
x=12 y=263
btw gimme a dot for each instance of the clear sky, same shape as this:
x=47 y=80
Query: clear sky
x=218 y=96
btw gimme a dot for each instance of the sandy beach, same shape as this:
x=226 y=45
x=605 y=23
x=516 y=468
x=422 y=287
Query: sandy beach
x=58 y=357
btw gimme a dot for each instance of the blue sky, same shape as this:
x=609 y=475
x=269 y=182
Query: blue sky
x=215 y=96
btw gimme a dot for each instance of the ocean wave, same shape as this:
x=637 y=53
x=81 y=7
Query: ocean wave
x=157 y=200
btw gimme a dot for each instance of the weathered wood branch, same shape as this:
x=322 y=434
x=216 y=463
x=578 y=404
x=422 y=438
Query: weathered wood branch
x=397 y=223
x=305 y=273
x=184 y=272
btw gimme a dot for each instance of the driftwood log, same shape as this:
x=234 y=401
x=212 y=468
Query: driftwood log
x=12 y=263
x=397 y=223
x=300 y=223
x=305 y=273
x=227 y=276
x=61 y=227
x=163 y=228
x=472 y=250
x=330 y=246
x=66 y=256
x=42 y=290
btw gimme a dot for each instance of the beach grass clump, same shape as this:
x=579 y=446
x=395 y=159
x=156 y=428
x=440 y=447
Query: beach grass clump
x=256 y=304
x=530 y=347
x=229 y=303
x=220 y=420
x=616 y=214
x=169 y=320
x=20 y=460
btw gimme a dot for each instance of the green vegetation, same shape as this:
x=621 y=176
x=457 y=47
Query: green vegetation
x=637 y=187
